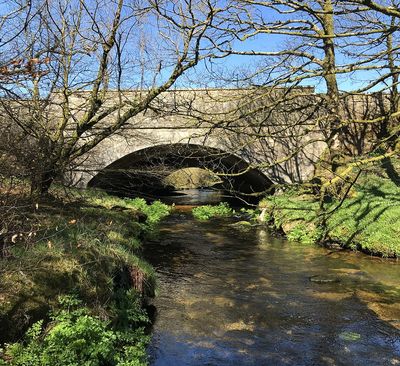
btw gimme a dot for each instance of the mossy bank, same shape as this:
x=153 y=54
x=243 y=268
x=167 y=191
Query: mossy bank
x=366 y=219
x=84 y=247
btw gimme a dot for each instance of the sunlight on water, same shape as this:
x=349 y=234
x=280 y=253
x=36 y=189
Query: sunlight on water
x=248 y=298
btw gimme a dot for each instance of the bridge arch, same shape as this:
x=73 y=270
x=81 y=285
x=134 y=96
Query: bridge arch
x=149 y=166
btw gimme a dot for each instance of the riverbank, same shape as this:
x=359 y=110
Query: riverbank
x=368 y=219
x=74 y=263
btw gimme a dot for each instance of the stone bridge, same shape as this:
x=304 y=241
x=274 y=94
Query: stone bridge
x=250 y=138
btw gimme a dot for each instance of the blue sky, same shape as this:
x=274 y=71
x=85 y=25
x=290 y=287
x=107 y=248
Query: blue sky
x=232 y=66
x=269 y=42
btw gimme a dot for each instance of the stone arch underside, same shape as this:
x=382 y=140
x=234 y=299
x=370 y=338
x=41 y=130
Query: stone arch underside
x=149 y=166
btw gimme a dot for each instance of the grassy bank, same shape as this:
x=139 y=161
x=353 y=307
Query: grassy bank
x=75 y=263
x=368 y=219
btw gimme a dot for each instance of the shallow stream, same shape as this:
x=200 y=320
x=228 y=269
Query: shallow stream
x=241 y=296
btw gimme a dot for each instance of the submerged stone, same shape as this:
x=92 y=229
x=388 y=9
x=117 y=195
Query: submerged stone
x=324 y=279
x=242 y=223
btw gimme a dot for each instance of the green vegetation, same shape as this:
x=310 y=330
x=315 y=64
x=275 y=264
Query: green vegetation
x=85 y=243
x=76 y=337
x=207 y=212
x=369 y=219
x=305 y=234
x=350 y=336
x=154 y=212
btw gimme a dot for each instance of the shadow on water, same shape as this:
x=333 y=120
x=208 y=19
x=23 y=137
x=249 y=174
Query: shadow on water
x=244 y=297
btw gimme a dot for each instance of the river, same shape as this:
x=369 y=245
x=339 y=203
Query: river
x=230 y=296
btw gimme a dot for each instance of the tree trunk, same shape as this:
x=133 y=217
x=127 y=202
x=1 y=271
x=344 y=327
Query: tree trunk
x=41 y=182
x=332 y=91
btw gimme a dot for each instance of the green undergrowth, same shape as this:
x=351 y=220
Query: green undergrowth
x=75 y=336
x=207 y=212
x=86 y=243
x=369 y=219
x=154 y=212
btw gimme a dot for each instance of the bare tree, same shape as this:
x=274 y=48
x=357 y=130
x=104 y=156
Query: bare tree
x=83 y=57
x=88 y=69
x=343 y=48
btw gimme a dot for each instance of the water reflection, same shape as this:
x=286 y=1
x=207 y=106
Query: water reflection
x=229 y=297
x=196 y=196
x=203 y=196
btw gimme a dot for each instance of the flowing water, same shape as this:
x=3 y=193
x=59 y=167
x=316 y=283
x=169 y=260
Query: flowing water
x=204 y=196
x=194 y=196
x=230 y=296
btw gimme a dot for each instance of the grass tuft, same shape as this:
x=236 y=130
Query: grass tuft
x=207 y=212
